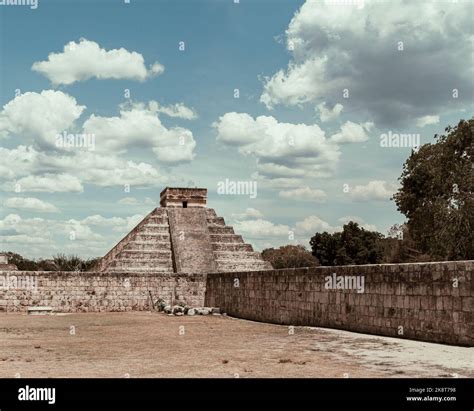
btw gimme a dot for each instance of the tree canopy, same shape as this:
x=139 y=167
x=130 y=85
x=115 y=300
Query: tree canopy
x=354 y=245
x=436 y=194
x=289 y=256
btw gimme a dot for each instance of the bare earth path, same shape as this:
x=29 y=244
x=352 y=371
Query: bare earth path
x=142 y=344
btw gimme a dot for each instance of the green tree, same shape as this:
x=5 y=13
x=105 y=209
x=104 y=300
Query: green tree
x=289 y=256
x=399 y=247
x=325 y=247
x=22 y=263
x=436 y=194
x=354 y=245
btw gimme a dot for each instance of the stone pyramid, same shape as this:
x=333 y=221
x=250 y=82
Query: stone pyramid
x=182 y=236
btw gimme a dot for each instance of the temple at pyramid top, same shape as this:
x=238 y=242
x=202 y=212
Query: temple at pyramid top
x=183 y=197
x=183 y=235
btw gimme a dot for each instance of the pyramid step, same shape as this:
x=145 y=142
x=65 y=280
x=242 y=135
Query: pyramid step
x=231 y=247
x=256 y=265
x=147 y=260
x=155 y=228
x=151 y=264
x=152 y=236
x=219 y=221
x=226 y=238
x=237 y=255
x=148 y=245
x=155 y=225
x=158 y=219
x=211 y=213
x=160 y=270
x=221 y=230
x=145 y=254
x=160 y=212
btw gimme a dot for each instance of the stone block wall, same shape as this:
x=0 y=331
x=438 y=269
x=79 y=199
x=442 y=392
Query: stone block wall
x=97 y=291
x=426 y=301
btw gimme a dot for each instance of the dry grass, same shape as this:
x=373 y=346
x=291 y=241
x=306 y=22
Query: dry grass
x=144 y=344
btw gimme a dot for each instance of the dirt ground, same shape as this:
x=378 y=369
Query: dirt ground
x=142 y=344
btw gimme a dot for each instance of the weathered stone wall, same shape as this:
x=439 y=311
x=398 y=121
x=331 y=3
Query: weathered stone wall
x=93 y=291
x=416 y=301
x=427 y=301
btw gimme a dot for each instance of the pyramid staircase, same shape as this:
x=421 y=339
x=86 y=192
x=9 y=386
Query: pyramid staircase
x=231 y=253
x=146 y=248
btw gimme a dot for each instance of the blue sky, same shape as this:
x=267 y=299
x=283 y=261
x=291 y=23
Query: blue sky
x=314 y=152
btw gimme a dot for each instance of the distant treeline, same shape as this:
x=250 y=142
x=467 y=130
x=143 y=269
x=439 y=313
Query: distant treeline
x=352 y=246
x=59 y=262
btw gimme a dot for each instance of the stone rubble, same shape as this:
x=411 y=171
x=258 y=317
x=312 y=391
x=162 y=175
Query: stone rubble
x=179 y=310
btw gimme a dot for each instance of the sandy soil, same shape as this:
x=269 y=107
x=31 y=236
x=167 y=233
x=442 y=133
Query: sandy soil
x=142 y=344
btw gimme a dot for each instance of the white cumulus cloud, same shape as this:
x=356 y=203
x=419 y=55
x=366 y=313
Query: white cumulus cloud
x=314 y=224
x=351 y=132
x=426 y=120
x=35 y=170
x=304 y=194
x=139 y=126
x=39 y=116
x=258 y=229
x=30 y=204
x=86 y=59
x=47 y=183
x=327 y=114
x=393 y=58
x=358 y=220
x=178 y=110
x=131 y=201
x=374 y=190
x=249 y=214
x=283 y=150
